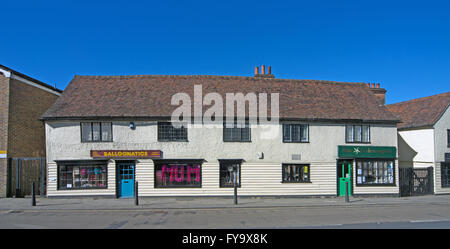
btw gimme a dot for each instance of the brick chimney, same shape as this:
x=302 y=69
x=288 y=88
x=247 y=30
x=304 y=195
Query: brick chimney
x=380 y=93
x=263 y=73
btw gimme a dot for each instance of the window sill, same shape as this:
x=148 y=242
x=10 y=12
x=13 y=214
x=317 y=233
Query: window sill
x=375 y=185
x=91 y=188
x=97 y=141
x=237 y=141
x=289 y=142
x=297 y=182
x=188 y=187
x=181 y=141
x=357 y=142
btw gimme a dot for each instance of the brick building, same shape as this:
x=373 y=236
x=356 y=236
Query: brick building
x=22 y=101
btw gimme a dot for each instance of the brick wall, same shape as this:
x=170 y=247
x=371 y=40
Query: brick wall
x=4 y=106
x=26 y=134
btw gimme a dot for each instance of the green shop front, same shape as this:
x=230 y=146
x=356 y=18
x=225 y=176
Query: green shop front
x=367 y=170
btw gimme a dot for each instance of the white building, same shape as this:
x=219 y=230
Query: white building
x=424 y=136
x=106 y=132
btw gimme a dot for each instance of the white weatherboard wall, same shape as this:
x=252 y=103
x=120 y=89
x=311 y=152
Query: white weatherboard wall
x=441 y=147
x=258 y=176
x=416 y=148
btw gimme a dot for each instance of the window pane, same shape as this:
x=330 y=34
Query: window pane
x=357 y=133
x=304 y=133
x=86 y=132
x=349 y=133
x=95 y=131
x=245 y=134
x=445 y=174
x=106 y=131
x=448 y=138
x=286 y=133
x=227 y=134
x=236 y=134
x=365 y=133
x=295 y=129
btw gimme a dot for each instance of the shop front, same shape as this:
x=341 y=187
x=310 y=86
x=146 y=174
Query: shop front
x=366 y=170
x=125 y=167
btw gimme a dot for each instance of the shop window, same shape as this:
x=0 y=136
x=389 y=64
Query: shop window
x=295 y=133
x=229 y=171
x=168 y=133
x=178 y=174
x=82 y=175
x=96 y=132
x=296 y=173
x=445 y=174
x=375 y=172
x=236 y=133
x=357 y=133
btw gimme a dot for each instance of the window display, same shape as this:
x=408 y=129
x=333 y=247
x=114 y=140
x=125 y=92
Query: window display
x=371 y=172
x=228 y=172
x=82 y=175
x=169 y=175
x=296 y=173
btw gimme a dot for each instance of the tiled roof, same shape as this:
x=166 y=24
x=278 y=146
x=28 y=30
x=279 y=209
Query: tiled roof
x=421 y=112
x=147 y=96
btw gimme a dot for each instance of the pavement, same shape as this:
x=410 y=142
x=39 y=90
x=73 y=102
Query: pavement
x=174 y=203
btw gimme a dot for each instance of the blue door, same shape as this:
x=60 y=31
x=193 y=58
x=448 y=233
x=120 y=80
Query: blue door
x=126 y=179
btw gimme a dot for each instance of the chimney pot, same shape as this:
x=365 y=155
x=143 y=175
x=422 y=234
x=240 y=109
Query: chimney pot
x=373 y=85
x=262 y=70
x=256 y=70
x=269 y=70
x=378 y=85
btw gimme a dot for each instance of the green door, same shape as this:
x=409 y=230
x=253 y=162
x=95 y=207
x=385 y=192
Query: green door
x=344 y=178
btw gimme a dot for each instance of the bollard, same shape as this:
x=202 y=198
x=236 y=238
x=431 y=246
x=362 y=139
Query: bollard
x=33 y=195
x=18 y=164
x=136 y=194
x=346 y=192
x=235 y=190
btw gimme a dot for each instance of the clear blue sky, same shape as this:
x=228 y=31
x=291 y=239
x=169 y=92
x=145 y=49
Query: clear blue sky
x=403 y=45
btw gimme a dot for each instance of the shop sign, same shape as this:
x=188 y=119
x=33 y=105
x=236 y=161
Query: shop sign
x=366 y=152
x=125 y=153
x=3 y=154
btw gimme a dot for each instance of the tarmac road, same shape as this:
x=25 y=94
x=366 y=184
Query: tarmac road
x=399 y=215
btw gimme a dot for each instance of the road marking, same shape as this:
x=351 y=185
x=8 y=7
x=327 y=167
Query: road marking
x=419 y=221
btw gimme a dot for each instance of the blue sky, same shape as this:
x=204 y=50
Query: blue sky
x=403 y=45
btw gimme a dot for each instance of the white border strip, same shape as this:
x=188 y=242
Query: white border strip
x=34 y=84
x=6 y=73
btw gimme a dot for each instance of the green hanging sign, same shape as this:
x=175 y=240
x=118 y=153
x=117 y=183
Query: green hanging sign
x=366 y=152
